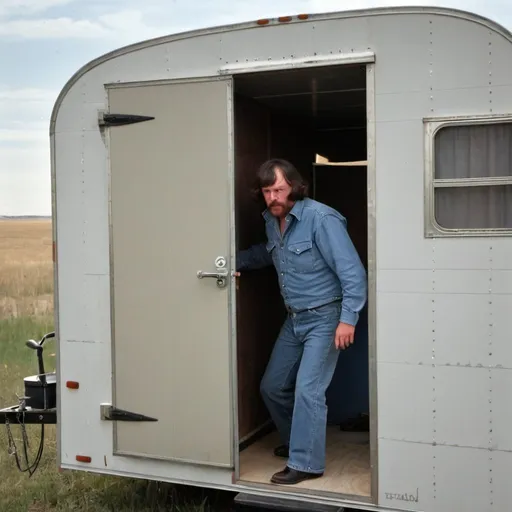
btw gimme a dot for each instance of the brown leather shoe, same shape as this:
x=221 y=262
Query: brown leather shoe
x=282 y=451
x=292 y=476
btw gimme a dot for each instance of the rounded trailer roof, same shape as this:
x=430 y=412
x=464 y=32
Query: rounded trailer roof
x=261 y=24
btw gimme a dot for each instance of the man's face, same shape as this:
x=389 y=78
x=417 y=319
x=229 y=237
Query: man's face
x=276 y=196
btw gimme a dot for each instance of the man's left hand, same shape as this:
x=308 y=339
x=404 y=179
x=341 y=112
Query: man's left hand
x=344 y=336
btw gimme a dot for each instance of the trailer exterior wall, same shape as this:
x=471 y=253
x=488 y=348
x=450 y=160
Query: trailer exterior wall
x=441 y=306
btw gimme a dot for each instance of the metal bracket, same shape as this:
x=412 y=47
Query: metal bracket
x=221 y=275
x=110 y=413
x=107 y=119
x=26 y=416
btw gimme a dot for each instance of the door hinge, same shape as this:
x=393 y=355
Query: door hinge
x=107 y=119
x=110 y=413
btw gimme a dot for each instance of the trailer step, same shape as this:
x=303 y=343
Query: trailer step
x=244 y=502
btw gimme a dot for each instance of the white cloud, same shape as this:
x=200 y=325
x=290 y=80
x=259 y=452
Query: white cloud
x=25 y=179
x=31 y=94
x=128 y=24
x=25 y=132
x=24 y=7
x=25 y=184
x=54 y=28
x=25 y=109
x=118 y=26
x=123 y=20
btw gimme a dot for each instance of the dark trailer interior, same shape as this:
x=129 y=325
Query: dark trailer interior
x=317 y=119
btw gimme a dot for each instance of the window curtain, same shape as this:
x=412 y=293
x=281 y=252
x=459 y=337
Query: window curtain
x=483 y=151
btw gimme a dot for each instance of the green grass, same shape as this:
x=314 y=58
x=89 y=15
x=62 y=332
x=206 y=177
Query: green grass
x=26 y=312
x=51 y=490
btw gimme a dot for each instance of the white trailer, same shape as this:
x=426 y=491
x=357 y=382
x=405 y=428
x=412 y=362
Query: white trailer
x=421 y=98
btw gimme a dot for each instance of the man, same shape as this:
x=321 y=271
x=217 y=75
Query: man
x=323 y=285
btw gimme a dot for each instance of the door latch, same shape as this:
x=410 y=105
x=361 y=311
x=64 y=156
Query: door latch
x=220 y=275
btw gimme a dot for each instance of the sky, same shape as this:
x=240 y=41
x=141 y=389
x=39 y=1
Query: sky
x=43 y=43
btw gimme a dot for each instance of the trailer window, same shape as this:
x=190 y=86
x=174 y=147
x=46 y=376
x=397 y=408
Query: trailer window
x=471 y=186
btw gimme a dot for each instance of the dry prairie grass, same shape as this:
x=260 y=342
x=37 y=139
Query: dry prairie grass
x=26 y=268
x=26 y=311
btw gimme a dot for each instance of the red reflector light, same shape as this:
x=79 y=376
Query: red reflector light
x=263 y=22
x=71 y=384
x=284 y=18
x=303 y=16
x=83 y=458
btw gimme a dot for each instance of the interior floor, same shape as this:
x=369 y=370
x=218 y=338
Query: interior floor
x=347 y=463
x=315 y=118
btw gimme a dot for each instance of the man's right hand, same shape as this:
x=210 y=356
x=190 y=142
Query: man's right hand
x=344 y=336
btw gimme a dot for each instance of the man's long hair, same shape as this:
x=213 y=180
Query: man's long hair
x=266 y=176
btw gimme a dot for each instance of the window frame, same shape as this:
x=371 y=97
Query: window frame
x=432 y=125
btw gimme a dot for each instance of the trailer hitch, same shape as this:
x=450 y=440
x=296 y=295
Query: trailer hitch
x=37 y=406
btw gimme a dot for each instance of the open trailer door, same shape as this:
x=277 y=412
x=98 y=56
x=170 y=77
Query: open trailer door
x=171 y=204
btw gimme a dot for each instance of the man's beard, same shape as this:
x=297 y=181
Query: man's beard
x=284 y=208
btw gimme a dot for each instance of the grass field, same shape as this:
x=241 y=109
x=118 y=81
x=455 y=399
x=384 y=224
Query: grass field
x=26 y=311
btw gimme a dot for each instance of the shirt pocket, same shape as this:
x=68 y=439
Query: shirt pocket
x=301 y=256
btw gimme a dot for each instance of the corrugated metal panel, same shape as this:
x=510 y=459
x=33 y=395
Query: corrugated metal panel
x=462 y=329
x=501 y=407
x=462 y=409
x=407 y=485
x=500 y=489
x=501 y=321
x=412 y=342
x=462 y=479
x=405 y=393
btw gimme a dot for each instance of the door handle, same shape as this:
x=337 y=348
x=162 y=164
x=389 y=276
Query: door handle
x=220 y=275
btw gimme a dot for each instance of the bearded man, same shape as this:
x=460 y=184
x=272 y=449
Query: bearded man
x=324 y=287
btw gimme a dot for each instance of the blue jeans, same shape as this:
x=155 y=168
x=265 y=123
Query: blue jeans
x=293 y=387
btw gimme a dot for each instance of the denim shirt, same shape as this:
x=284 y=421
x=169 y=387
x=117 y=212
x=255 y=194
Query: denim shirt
x=315 y=259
